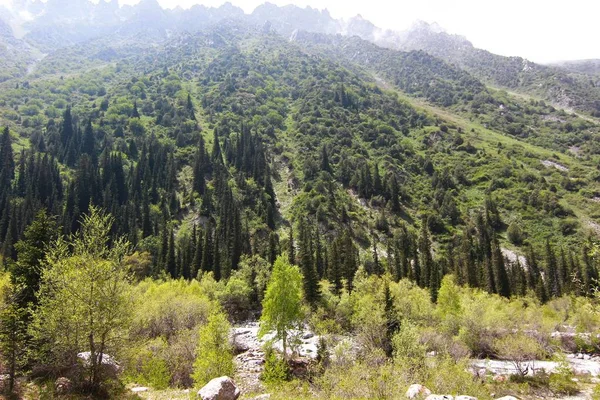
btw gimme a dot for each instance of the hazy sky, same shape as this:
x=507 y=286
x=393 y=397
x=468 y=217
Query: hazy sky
x=541 y=30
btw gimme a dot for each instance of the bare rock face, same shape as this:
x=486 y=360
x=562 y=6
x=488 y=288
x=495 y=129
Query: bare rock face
x=221 y=388
x=63 y=386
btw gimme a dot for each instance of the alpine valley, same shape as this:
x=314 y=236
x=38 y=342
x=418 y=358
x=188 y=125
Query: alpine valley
x=392 y=207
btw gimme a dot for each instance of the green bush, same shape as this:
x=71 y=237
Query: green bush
x=155 y=373
x=276 y=369
x=561 y=381
x=214 y=354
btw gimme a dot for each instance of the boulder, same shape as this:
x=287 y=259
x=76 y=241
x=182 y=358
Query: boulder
x=85 y=358
x=63 y=385
x=416 y=390
x=139 y=389
x=221 y=388
x=507 y=398
x=439 y=397
x=465 y=398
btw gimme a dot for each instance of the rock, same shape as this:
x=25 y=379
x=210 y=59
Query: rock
x=439 y=397
x=507 y=398
x=500 y=378
x=139 y=389
x=586 y=357
x=580 y=356
x=308 y=335
x=63 y=385
x=416 y=390
x=106 y=359
x=465 y=398
x=221 y=388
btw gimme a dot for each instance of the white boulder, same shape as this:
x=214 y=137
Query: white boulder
x=221 y=388
x=416 y=390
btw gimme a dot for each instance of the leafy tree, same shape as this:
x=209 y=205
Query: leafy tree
x=282 y=305
x=515 y=233
x=214 y=352
x=519 y=349
x=84 y=301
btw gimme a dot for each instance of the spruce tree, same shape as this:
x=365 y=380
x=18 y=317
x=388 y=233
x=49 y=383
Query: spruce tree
x=31 y=250
x=502 y=285
x=426 y=262
x=291 y=247
x=171 y=263
x=307 y=264
x=551 y=277
x=216 y=156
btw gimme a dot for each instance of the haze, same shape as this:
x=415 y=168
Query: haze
x=542 y=31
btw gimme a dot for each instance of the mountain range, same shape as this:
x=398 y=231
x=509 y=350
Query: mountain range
x=46 y=27
x=212 y=132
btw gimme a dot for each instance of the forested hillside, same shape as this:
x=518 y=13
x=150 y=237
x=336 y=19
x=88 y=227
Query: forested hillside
x=183 y=169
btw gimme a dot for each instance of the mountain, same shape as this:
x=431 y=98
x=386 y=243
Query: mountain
x=561 y=86
x=589 y=67
x=210 y=119
x=164 y=172
x=60 y=23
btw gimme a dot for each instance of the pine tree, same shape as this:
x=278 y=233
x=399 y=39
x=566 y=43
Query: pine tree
x=197 y=262
x=171 y=263
x=135 y=113
x=394 y=194
x=207 y=250
x=216 y=253
x=7 y=161
x=273 y=248
x=325 y=160
x=307 y=264
x=552 y=279
x=88 y=144
x=319 y=262
x=291 y=247
x=216 y=155
x=426 y=263
x=502 y=285
x=31 y=251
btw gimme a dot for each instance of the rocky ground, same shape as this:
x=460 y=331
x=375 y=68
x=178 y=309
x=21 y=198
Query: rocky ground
x=250 y=358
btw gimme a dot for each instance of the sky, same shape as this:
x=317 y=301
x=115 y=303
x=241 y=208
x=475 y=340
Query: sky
x=540 y=30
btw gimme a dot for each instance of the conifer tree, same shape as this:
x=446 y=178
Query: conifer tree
x=171 y=263
x=551 y=276
x=7 y=162
x=426 y=262
x=502 y=285
x=31 y=251
x=325 y=160
x=197 y=262
x=307 y=264
x=216 y=150
x=291 y=247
